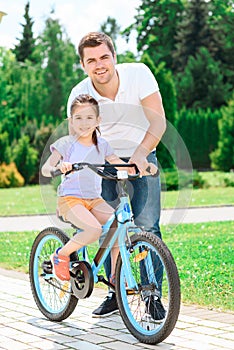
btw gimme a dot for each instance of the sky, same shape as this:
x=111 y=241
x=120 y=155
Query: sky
x=78 y=17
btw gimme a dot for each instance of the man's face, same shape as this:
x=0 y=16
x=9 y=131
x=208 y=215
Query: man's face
x=99 y=64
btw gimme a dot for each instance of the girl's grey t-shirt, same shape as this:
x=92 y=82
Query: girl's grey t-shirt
x=84 y=183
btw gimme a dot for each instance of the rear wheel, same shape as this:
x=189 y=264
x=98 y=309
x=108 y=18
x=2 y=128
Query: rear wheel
x=151 y=310
x=53 y=297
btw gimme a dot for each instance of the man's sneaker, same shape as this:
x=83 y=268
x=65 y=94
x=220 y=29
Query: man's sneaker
x=108 y=307
x=155 y=308
x=60 y=266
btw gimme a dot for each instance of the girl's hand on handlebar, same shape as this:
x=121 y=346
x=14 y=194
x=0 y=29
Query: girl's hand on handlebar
x=65 y=167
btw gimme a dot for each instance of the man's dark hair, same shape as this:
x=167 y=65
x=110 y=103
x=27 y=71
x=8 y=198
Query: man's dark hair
x=94 y=39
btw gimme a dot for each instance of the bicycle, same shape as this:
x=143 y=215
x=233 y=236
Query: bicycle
x=146 y=274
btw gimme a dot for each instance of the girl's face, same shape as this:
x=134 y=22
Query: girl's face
x=84 y=120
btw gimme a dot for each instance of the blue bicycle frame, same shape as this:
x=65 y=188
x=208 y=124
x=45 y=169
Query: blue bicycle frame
x=123 y=216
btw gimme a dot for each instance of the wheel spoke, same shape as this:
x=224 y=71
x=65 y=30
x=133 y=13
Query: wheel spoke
x=53 y=297
x=150 y=313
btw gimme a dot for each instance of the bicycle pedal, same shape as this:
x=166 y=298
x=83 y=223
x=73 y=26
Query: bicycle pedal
x=102 y=279
x=47 y=266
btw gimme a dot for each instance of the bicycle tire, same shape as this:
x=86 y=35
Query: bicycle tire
x=139 y=320
x=53 y=298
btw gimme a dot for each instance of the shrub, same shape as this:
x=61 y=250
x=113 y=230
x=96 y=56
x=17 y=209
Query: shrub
x=222 y=158
x=5 y=153
x=9 y=176
x=25 y=158
x=199 y=131
x=177 y=179
x=228 y=182
x=198 y=181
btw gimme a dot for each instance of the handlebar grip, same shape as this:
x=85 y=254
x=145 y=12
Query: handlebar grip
x=75 y=167
x=56 y=172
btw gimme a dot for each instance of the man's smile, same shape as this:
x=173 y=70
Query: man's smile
x=101 y=72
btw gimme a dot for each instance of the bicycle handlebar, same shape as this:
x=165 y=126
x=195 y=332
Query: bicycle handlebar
x=100 y=172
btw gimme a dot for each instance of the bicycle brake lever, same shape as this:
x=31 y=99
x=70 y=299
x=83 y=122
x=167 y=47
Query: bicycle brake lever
x=153 y=175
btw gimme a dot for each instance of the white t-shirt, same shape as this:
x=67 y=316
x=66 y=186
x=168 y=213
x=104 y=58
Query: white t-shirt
x=84 y=183
x=123 y=122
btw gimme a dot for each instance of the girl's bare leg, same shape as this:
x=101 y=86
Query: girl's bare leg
x=86 y=221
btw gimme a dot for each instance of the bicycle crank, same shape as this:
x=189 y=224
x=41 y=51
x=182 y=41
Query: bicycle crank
x=82 y=280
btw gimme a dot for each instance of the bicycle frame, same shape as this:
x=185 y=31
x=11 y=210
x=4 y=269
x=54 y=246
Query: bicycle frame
x=123 y=216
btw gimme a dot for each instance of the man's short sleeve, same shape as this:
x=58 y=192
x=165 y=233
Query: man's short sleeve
x=146 y=81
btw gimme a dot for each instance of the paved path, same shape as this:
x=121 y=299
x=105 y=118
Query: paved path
x=23 y=327
x=168 y=216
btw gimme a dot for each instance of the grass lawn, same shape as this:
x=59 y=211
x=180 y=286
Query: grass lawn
x=214 y=196
x=203 y=254
x=204 y=257
x=27 y=200
x=42 y=199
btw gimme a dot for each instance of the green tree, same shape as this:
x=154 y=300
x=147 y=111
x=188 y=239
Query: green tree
x=22 y=93
x=111 y=28
x=223 y=157
x=5 y=58
x=166 y=149
x=202 y=84
x=166 y=84
x=222 y=23
x=25 y=158
x=156 y=23
x=193 y=32
x=61 y=68
x=24 y=50
x=52 y=38
x=5 y=154
x=127 y=56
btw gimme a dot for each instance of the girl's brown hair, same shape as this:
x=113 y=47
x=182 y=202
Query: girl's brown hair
x=87 y=99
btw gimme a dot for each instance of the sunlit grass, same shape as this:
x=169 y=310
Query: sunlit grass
x=214 y=196
x=27 y=200
x=204 y=256
x=33 y=200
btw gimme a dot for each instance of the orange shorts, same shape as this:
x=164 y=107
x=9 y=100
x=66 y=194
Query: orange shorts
x=67 y=202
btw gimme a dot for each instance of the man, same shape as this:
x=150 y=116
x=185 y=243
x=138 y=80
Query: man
x=133 y=122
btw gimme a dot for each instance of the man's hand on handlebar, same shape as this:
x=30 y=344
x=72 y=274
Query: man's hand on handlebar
x=144 y=166
x=152 y=169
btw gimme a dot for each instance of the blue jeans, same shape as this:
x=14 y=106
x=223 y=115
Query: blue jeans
x=145 y=199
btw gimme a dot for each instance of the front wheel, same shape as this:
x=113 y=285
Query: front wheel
x=53 y=298
x=150 y=310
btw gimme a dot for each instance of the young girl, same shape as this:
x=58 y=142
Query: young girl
x=79 y=194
